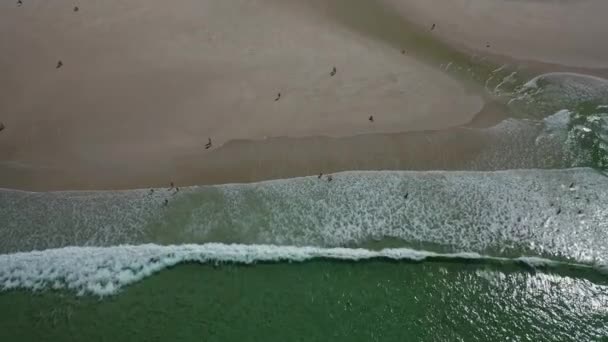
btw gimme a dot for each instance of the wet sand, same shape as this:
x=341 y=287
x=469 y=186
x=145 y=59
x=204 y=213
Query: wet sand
x=476 y=146
x=245 y=161
x=563 y=32
x=145 y=84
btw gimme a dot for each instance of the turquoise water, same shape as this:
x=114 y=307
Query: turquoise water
x=516 y=255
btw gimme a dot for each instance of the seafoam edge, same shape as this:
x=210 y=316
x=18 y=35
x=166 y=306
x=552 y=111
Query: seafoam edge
x=104 y=271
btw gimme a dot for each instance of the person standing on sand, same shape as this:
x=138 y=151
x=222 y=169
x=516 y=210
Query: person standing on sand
x=278 y=97
x=2 y=127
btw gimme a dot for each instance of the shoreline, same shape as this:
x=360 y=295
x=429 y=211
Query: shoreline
x=461 y=147
x=245 y=161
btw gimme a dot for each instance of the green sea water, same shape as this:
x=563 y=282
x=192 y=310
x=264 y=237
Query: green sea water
x=321 y=301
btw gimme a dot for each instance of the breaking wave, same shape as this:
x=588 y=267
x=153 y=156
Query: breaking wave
x=104 y=271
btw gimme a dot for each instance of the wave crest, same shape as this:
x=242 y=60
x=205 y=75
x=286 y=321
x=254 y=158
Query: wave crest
x=104 y=271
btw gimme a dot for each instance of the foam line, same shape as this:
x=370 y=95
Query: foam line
x=104 y=271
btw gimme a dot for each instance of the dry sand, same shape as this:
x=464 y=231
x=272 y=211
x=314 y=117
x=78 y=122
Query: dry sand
x=145 y=83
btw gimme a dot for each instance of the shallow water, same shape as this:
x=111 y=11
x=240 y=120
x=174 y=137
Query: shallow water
x=555 y=213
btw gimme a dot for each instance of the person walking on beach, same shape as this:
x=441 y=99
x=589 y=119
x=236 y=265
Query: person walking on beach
x=278 y=97
x=333 y=72
x=2 y=127
x=59 y=64
x=208 y=145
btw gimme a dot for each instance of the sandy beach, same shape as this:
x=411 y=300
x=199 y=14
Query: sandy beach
x=144 y=84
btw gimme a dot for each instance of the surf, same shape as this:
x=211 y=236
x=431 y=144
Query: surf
x=557 y=214
x=104 y=271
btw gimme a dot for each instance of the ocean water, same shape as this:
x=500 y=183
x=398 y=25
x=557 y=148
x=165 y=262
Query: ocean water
x=320 y=300
x=513 y=255
x=516 y=254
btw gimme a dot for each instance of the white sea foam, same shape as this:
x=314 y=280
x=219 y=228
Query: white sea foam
x=537 y=262
x=105 y=270
x=590 y=82
x=497 y=213
x=545 y=94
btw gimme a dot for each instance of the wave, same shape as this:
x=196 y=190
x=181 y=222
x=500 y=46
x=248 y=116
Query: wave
x=581 y=133
x=559 y=120
x=559 y=214
x=548 y=93
x=104 y=271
